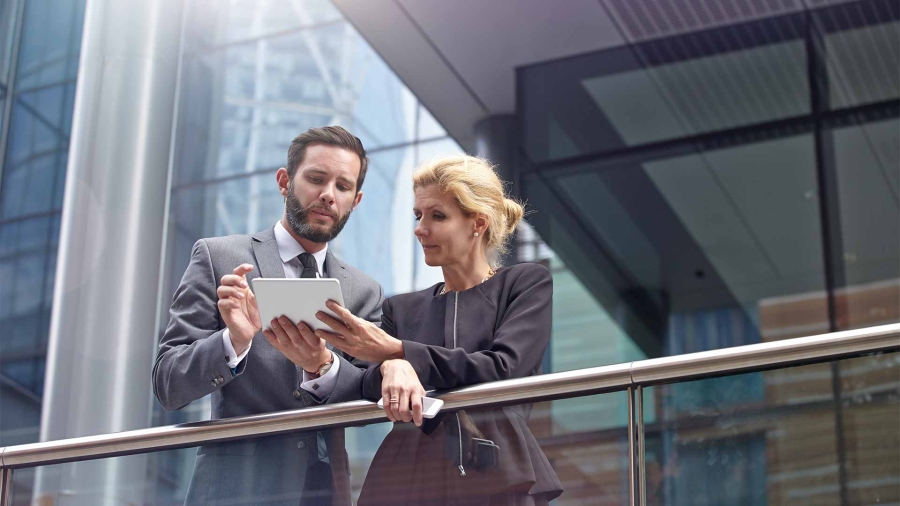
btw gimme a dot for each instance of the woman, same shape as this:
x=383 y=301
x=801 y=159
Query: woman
x=483 y=323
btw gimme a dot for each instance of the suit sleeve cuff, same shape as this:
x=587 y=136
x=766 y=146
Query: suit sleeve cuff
x=231 y=356
x=322 y=386
x=371 y=383
x=417 y=355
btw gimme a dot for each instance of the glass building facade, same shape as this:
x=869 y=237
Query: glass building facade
x=693 y=190
x=719 y=187
x=39 y=49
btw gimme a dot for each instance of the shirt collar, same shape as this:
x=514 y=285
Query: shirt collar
x=289 y=248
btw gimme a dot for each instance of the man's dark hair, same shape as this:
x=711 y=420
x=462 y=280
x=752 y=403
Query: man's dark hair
x=330 y=136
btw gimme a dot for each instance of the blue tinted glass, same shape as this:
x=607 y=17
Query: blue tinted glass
x=20 y=133
x=33 y=235
x=39 y=188
x=46 y=105
x=51 y=38
x=23 y=373
x=9 y=233
x=7 y=273
x=7 y=24
x=49 y=281
x=35 y=163
x=20 y=324
x=59 y=181
x=68 y=109
x=12 y=193
x=33 y=183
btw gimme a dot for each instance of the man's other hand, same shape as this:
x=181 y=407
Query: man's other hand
x=237 y=305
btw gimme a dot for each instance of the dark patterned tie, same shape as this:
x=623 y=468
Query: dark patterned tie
x=310 y=267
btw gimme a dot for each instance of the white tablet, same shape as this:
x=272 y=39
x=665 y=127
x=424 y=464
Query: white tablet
x=298 y=298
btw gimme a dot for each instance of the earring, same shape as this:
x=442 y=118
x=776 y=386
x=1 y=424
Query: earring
x=476 y=234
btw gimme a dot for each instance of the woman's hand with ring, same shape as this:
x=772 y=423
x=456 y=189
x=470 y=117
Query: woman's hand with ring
x=402 y=392
x=357 y=337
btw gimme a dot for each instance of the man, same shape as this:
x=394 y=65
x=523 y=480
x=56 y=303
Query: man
x=213 y=343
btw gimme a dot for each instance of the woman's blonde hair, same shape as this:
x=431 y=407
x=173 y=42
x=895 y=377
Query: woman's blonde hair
x=474 y=185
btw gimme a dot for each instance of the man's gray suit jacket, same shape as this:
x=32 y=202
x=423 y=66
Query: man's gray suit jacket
x=191 y=364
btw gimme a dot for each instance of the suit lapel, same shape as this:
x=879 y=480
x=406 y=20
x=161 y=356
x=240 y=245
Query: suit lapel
x=265 y=248
x=334 y=268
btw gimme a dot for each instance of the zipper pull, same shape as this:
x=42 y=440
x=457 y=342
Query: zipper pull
x=462 y=470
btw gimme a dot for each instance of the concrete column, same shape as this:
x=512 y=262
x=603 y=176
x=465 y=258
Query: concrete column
x=103 y=329
x=496 y=138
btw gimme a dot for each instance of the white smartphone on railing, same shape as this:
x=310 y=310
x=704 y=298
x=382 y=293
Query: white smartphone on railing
x=430 y=406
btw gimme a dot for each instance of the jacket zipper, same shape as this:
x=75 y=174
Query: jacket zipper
x=462 y=470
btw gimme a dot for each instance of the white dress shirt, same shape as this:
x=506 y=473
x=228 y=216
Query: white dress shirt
x=289 y=250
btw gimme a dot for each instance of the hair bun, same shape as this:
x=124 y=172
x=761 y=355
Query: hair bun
x=514 y=213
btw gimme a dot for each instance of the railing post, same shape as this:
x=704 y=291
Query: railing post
x=632 y=470
x=642 y=465
x=6 y=486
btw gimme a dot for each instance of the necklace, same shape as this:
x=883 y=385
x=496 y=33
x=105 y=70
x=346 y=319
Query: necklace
x=491 y=273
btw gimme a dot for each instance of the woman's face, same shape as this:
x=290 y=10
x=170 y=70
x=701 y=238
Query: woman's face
x=446 y=234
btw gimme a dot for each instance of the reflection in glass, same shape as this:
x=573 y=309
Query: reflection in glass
x=33 y=181
x=863 y=66
x=216 y=23
x=255 y=75
x=866 y=160
x=777 y=437
x=248 y=101
x=704 y=94
x=480 y=456
x=50 y=44
x=707 y=244
x=590 y=460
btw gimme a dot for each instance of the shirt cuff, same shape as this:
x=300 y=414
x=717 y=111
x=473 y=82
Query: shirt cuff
x=322 y=386
x=230 y=355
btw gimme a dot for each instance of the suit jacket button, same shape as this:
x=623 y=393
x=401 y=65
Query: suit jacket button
x=296 y=394
x=300 y=445
x=214 y=383
x=221 y=379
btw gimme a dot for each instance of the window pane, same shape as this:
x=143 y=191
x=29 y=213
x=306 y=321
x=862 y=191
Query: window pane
x=863 y=64
x=654 y=91
x=51 y=40
x=243 y=104
x=212 y=23
x=783 y=441
x=866 y=160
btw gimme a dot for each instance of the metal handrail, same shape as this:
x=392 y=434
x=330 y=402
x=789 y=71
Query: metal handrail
x=548 y=386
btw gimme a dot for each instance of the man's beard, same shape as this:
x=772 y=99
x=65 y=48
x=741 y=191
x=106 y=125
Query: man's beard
x=298 y=219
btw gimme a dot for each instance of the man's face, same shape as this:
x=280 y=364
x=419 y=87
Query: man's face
x=322 y=193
